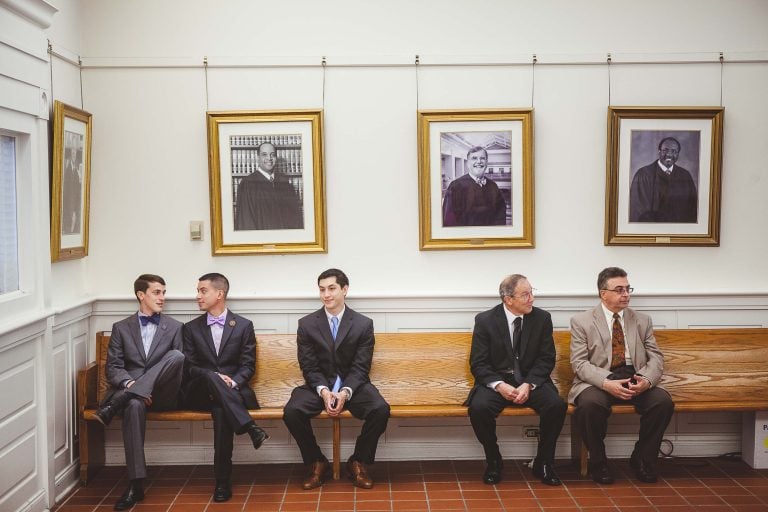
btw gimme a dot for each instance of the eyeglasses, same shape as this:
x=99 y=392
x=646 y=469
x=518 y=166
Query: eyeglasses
x=620 y=290
x=526 y=295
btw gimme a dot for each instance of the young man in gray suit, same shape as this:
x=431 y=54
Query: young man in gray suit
x=144 y=367
x=335 y=350
x=616 y=360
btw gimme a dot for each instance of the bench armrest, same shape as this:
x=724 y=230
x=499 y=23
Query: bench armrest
x=87 y=383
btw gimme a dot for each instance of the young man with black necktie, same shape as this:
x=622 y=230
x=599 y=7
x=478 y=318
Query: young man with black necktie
x=144 y=368
x=220 y=350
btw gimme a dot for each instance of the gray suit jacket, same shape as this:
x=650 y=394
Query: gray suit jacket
x=126 y=359
x=591 y=349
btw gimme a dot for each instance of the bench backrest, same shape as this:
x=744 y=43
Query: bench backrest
x=701 y=365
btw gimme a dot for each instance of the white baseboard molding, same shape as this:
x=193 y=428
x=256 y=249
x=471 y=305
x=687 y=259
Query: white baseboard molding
x=618 y=446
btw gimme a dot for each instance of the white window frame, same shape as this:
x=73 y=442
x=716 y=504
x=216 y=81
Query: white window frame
x=32 y=214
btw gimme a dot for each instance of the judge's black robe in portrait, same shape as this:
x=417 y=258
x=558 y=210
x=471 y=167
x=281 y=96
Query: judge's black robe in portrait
x=262 y=204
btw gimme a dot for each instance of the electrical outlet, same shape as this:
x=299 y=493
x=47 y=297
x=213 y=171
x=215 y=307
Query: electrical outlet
x=530 y=432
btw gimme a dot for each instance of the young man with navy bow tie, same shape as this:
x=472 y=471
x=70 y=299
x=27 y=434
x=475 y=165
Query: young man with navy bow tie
x=220 y=350
x=144 y=367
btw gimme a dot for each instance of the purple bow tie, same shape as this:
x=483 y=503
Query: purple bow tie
x=216 y=319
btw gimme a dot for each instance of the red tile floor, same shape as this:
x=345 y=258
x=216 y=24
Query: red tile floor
x=684 y=484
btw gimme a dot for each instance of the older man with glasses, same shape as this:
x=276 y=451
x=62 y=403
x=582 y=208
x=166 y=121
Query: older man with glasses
x=616 y=360
x=512 y=356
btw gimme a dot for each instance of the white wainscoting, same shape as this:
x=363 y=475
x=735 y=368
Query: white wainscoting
x=23 y=436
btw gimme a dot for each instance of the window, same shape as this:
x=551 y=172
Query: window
x=9 y=250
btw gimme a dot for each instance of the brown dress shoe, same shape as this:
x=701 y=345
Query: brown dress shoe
x=358 y=473
x=316 y=475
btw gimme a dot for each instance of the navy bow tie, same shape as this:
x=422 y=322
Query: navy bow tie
x=155 y=319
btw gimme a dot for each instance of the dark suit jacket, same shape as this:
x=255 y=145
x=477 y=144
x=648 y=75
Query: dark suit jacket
x=126 y=359
x=236 y=358
x=321 y=359
x=491 y=354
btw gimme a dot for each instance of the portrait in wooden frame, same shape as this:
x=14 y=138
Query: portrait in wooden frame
x=70 y=182
x=663 y=182
x=266 y=181
x=476 y=179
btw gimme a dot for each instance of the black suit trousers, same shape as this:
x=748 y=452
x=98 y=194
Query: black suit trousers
x=230 y=416
x=593 y=407
x=366 y=404
x=486 y=404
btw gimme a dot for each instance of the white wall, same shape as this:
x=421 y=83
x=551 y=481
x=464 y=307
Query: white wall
x=149 y=131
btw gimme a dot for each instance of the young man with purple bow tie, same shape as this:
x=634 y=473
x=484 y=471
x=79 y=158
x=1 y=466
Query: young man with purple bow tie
x=335 y=350
x=220 y=350
x=144 y=367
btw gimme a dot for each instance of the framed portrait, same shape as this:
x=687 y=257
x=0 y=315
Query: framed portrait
x=70 y=182
x=475 y=179
x=663 y=176
x=266 y=182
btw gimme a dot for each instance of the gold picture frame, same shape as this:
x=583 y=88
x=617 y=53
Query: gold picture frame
x=266 y=178
x=663 y=183
x=459 y=212
x=70 y=182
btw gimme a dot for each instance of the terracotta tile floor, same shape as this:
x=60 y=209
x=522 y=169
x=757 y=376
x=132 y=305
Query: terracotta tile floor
x=686 y=484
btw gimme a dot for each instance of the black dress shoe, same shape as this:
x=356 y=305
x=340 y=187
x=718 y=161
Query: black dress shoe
x=109 y=410
x=223 y=492
x=601 y=474
x=642 y=471
x=258 y=436
x=546 y=471
x=492 y=474
x=132 y=495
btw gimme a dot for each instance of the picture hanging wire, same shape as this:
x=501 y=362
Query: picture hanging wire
x=323 y=64
x=533 y=76
x=722 y=66
x=609 y=79
x=77 y=63
x=416 y=69
x=50 y=68
x=205 y=72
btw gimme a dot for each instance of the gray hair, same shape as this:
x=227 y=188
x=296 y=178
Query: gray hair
x=508 y=285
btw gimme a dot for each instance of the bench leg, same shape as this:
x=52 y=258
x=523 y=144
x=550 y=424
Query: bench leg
x=578 y=452
x=92 y=453
x=336 y=448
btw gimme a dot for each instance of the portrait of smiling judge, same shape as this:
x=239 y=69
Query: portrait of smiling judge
x=480 y=190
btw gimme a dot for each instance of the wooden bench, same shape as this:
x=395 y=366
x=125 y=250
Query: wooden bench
x=426 y=375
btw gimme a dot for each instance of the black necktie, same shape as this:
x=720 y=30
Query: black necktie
x=155 y=319
x=517 y=335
